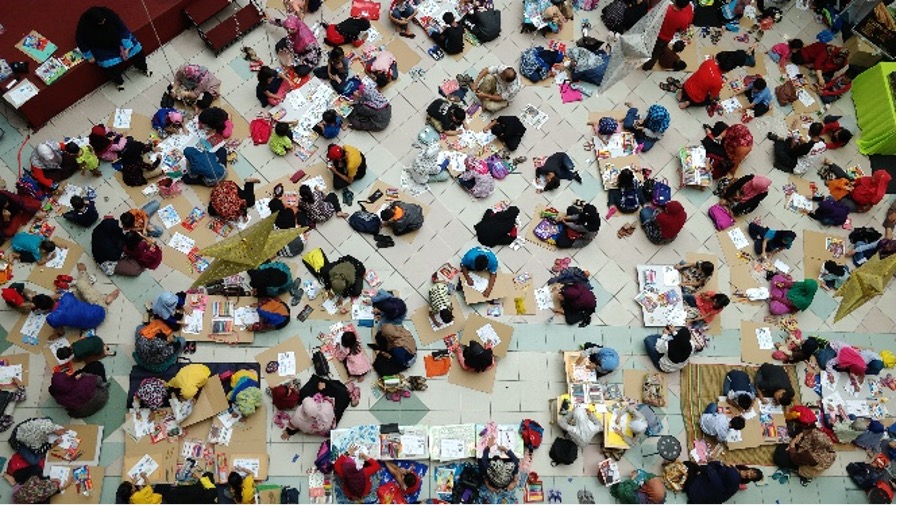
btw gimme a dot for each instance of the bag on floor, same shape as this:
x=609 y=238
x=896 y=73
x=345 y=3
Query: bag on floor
x=662 y=192
x=786 y=93
x=722 y=220
x=629 y=202
x=498 y=168
x=563 y=452
x=467 y=486
x=323 y=460
x=652 y=391
x=320 y=364
x=364 y=222
x=365 y=9
x=863 y=475
x=260 y=130
x=532 y=67
x=29 y=187
x=290 y=496
x=531 y=433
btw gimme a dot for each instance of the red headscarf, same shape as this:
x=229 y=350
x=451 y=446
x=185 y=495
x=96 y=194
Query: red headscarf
x=869 y=190
x=671 y=219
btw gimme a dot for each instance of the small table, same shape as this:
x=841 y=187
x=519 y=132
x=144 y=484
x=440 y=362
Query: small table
x=669 y=448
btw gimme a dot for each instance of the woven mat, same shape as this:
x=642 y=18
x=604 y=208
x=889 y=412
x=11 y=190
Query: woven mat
x=703 y=383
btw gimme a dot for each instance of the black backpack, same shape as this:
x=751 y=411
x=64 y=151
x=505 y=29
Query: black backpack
x=484 y=25
x=466 y=487
x=320 y=364
x=290 y=496
x=629 y=202
x=365 y=222
x=863 y=475
x=563 y=452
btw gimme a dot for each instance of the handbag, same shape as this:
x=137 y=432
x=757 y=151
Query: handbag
x=786 y=93
x=546 y=229
x=365 y=9
x=569 y=94
x=662 y=192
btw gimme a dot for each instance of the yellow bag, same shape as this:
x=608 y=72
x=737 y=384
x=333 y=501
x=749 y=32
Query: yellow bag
x=315 y=259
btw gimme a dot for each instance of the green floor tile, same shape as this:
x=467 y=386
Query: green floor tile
x=407 y=411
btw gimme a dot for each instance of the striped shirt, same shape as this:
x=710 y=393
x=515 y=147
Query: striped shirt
x=439 y=298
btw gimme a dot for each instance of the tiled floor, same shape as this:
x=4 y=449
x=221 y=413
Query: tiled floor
x=532 y=373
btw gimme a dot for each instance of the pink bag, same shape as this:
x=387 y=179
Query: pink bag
x=721 y=217
x=569 y=94
x=357 y=364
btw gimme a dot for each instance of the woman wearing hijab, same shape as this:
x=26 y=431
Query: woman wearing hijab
x=142 y=250
x=869 y=190
x=314 y=415
x=640 y=488
x=810 y=452
x=104 y=39
x=396 y=350
x=344 y=277
x=16 y=210
x=270 y=279
x=475 y=178
x=37 y=489
x=327 y=388
x=389 y=308
x=769 y=242
x=316 y=207
x=742 y=196
x=475 y=357
x=356 y=481
x=31 y=438
x=574 y=295
x=51 y=165
x=830 y=212
x=349 y=31
x=497 y=228
x=787 y=296
x=727 y=147
x=500 y=472
x=230 y=202
x=647 y=130
x=158 y=351
x=170 y=308
x=716 y=482
x=703 y=307
x=662 y=225
x=135 y=170
x=556 y=167
x=580 y=226
x=195 y=85
x=371 y=111
x=299 y=48
x=671 y=350
x=82 y=394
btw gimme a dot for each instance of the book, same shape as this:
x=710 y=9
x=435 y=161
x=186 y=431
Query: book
x=50 y=70
x=72 y=58
x=37 y=46
x=21 y=93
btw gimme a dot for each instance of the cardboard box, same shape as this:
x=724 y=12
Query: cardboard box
x=861 y=53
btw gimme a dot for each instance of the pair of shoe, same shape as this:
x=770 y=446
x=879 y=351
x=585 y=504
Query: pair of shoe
x=296 y=291
x=382 y=241
x=190 y=347
x=62 y=282
x=577 y=178
x=464 y=80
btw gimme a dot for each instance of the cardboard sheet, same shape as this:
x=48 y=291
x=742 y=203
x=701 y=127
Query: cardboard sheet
x=730 y=253
x=237 y=336
x=202 y=235
x=799 y=106
x=815 y=253
x=406 y=57
x=570 y=358
x=210 y=402
x=741 y=279
x=476 y=322
x=401 y=196
x=44 y=336
x=301 y=358
x=530 y=230
x=483 y=382
x=427 y=335
x=91 y=436
x=751 y=435
x=70 y=496
x=633 y=381
x=20 y=359
x=503 y=288
x=320 y=313
x=45 y=275
x=526 y=292
x=715 y=327
x=140 y=127
x=249 y=441
x=750 y=347
x=164 y=452
x=803 y=186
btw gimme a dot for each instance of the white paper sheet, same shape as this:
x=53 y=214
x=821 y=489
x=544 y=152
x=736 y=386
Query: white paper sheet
x=33 y=324
x=122 y=119
x=781 y=266
x=330 y=306
x=146 y=465
x=262 y=206
x=246 y=316
x=805 y=98
x=543 y=298
x=287 y=364
x=479 y=284
x=452 y=448
x=251 y=464
x=57 y=344
x=193 y=323
x=169 y=216
x=59 y=473
x=413 y=445
x=70 y=192
x=764 y=338
x=8 y=373
x=488 y=336
x=182 y=243
x=59 y=258
x=738 y=238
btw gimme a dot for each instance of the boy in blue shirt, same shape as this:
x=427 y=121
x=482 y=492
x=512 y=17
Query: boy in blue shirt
x=760 y=97
x=480 y=259
x=330 y=126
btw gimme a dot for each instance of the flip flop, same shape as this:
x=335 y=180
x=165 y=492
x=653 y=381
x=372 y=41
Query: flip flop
x=672 y=80
x=669 y=87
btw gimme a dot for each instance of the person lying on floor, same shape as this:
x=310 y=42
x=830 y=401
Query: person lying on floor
x=721 y=426
x=85 y=313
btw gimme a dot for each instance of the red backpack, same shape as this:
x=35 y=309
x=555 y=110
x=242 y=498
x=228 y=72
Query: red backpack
x=531 y=433
x=260 y=130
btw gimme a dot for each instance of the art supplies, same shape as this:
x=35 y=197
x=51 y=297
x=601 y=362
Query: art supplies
x=608 y=472
x=20 y=93
x=72 y=58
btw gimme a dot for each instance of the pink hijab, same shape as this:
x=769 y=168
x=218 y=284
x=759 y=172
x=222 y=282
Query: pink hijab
x=755 y=187
x=303 y=37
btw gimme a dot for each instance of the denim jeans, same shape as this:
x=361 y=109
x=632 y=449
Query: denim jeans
x=646 y=214
x=650 y=346
x=711 y=408
x=151 y=207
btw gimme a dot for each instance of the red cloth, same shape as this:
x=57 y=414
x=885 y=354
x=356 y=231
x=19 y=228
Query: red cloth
x=284 y=398
x=706 y=81
x=356 y=484
x=333 y=36
x=869 y=190
x=675 y=21
x=671 y=219
x=12 y=297
x=704 y=302
x=804 y=415
x=823 y=57
x=850 y=359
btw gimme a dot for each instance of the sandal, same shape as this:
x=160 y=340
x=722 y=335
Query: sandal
x=278 y=191
x=669 y=87
x=672 y=80
x=625 y=231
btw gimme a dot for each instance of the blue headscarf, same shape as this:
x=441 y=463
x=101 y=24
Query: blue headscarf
x=657 y=119
x=165 y=305
x=607 y=359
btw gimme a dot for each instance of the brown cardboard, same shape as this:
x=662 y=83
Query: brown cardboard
x=427 y=336
x=633 y=384
x=730 y=253
x=815 y=253
x=140 y=128
x=70 y=496
x=402 y=197
x=741 y=279
x=241 y=128
x=405 y=56
x=45 y=336
x=301 y=358
x=249 y=441
x=751 y=435
x=202 y=236
x=570 y=358
x=164 y=452
x=861 y=53
x=503 y=287
x=14 y=359
x=802 y=186
x=270 y=496
x=530 y=230
x=319 y=312
x=45 y=276
x=210 y=402
x=475 y=322
x=527 y=293
x=750 y=351
x=238 y=336
x=714 y=282
x=91 y=436
x=136 y=193
x=816 y=106
x=483 y=382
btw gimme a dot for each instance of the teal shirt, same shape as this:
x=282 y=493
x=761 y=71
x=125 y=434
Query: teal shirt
x=28 y=243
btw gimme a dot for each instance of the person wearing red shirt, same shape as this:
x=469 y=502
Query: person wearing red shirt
x=821 y=57
x=355 y=483
x=678 y=18
x=704 y=86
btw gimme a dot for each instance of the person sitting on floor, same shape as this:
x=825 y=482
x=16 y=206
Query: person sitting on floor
x=479 y=259
x=382 y=69
x=811 y=452
x=662 y=225
x=446 y=117
x=574 y=296
x=727 y=147
x=189 y=380
x=788 y=296
x=216 y=119
x=204 y=167
x=143 y=250
x=156 y=346
x=83 y=393
x=760 y=97
x=316 y=207
x=170 y=308
x=282 y=139
x=195 y=85
x=450 y=38
x=106 y=143
x=346 y=164
x=671 y=350
x=476 y=179
x=350 y=31
x=272 y=86
x=834 y=275
x=640 y=487
x=508 y=130
x=721 y=426
x=83 y=212
x=32 y=248
x=649 y=129
x=388 y=308
x=580 y=425
x=351 y=354
x=406 y=479
x=402 y=218
x=401 y=13
x=23 y=300
x=344 y=277
x=242 y=487
x=496 y=86
x=497 y=228
x=370 y=111
x=356 y=482
x=320 y=404
x=772 y=382
x=796 y=154
x=229 y=202
x=627 y=197
x=130 y=492
x=270 y=279
x=17 y=210
x=330 y=126
x=85 y=313
x=743 y=195
x=167 y=121
x=694 y=276
x=739 y=390
x=89 y=348
x=441 y=306
x=500 y=472
x=701 y=308
x=769 y=242
x=603 y=359
x=396 y=349
x=556 y=167
x=475 y=358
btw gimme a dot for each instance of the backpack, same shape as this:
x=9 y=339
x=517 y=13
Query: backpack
x=629 y=202
x=613 y=14
x=497 y=167
x=563 y=452
x=320 y=364
x=290 y=496
x=863 y=475
x=652 y=392
x=864 y=234
x=721 y=218
x=467 y=485
x=365 y=222
x=786 y=93
x=532 y=67
x=662 y=192
x=531 y=433
x=323 y=460
x=428 y=136
x=260 y=130
x=484 y=25
x=29 y=187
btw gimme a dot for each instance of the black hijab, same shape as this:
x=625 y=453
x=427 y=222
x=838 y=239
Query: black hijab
x=99 y=26
x=263 y=279
x=351 y=28
x=495 y=228
x=679 y=348
x=477 y=357
x=590 y=218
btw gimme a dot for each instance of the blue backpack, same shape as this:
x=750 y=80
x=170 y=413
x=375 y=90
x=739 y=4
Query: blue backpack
x=629 y=202
x=365 y=222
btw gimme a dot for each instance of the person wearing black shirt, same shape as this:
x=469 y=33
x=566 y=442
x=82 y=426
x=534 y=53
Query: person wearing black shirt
x=446 y=117
x=508 y=129
x=450 y=40
x=772 y=382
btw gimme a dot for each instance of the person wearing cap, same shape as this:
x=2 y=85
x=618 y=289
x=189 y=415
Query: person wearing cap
x=580 y=425
x=355 y=480
x=167 y=121
x=346 y=164
x=671 y=350
x=604 y=359
x=475 y=357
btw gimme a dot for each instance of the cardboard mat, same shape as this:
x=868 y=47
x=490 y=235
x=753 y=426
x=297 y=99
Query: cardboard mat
x=815 y=252
x=715 y=327
x=483 y=382
x=405 y=56
x=427 y=334
x=750 y=346
x=731 y=254
x=320 y=313
x=164 y=452
x=71 y=496
x=302 y=360
x=44 y=336
x=524 y=292
x=475 y=323
x=402 y=196
x=689 y=55
x=202 y=235
x=91 y=437
x=210 y=402
x=530 y=230
x=799 y=106
x=237 y=335
x=503 y=287
x=45 y=275
x=140 y=127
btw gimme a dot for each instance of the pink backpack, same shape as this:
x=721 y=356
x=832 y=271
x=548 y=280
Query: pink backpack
x=721 y=217
x=357 y=364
